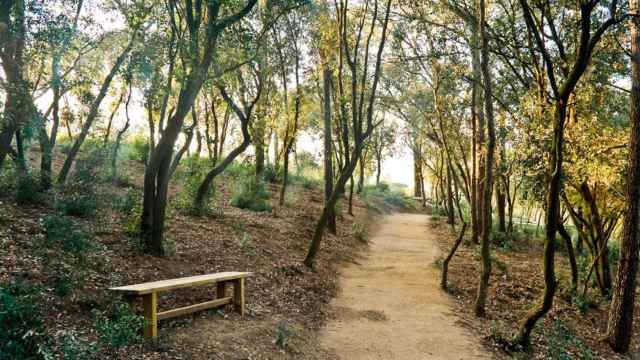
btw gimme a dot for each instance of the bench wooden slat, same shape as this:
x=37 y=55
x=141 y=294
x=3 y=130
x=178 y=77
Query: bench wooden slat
x=194 y=308
x=165 y=285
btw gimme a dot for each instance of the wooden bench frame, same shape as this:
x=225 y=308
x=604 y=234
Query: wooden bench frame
x=149 y=293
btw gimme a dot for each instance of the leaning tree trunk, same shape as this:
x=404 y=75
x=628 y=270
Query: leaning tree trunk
x=487 y=188
x=552 y=216
x=619 y=328
x=328 y=148
x=93 y=112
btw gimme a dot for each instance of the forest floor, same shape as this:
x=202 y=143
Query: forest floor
x=286 y=302
x=574 y=327
x=391 y=306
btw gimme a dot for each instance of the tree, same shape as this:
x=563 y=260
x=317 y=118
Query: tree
x=487 y=188
x=361 y=123
x=561 y=90
x=620 y=325
x=204 y=26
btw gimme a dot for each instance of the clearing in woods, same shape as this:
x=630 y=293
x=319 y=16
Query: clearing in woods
x=391 y=306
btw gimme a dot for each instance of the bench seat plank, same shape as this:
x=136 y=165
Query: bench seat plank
x=165 y=285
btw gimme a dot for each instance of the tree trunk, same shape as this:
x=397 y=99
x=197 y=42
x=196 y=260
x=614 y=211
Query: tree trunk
x=452 y=252
x=552 y=216
x=620 y=325
x=328 y=148
x=93 y=112
x=572 y=257
x=478 y=132
x=501 y=204
x=487 y=188
x=417 y=173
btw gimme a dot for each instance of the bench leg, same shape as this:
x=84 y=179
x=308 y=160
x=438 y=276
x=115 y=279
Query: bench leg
x=150 y=302
x=221 y=290
x=238 y=296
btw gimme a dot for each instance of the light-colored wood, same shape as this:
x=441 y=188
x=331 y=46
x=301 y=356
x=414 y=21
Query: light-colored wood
x=194 y=308
x=221 y=290
x=150 y=303
x=238 y=296
x=165 y=285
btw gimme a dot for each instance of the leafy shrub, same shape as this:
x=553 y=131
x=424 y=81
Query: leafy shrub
x=192 y=173
x=270 y=174
x=67 y=263
x=359 y=232
x=120 y=329
x=139 y=149
x=562 y=338
x=75 y=347
x=240 y=169
x=21 y=330
x=28 y=189
x=251 y=194
x=64 y=234
x=77 y=201
x=283 y=334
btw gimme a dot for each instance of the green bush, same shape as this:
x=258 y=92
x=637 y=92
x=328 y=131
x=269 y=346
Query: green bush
x=62 y=233
x=270 y=174
x=561 y=338
x=28 y=189
x=75 y=347
x=359 y=232
x=77 y=201
x=21 y=330
x=192 y=173
x=139 y=149
x=121 y=328
x=240 y=169
x=64 y=250
x=251 y=194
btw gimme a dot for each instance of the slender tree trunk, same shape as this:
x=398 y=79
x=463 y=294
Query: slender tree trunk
x=328 y=149
x=417 y=173
x=479 y=131
x=487 y=188
x=378 y=170
x=552 y=216
x=93 y=112
x=361 y=176
x=572 y=257
x=447 y=260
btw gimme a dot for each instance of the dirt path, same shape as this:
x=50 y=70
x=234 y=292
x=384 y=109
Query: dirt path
x=391 y=307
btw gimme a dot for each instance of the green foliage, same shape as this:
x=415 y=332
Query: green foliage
x=79 y=196
x=383 y=197
x=564 y=345
x=251 y=194
x=192 y=173
x=240 y=169
x=64 y=249
x=21 y=329
x=120 y=328
x=359 y=232
x=283 y=334
x=77 y=201
x=246 y=243
x=270 y=174
x=139 y=149
x=64 y=234
x=75 y=347
x=28 y=189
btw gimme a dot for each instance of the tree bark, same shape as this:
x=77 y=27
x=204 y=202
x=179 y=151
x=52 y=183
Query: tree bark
x=620 y=325
x=485 y=251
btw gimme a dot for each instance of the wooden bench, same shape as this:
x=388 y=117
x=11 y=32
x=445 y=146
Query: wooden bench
x=149 y=293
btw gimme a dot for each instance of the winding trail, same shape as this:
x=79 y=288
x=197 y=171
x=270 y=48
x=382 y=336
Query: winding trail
x=391 y=307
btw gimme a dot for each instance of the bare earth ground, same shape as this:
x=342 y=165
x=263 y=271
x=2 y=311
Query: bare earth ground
x=391 y=306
